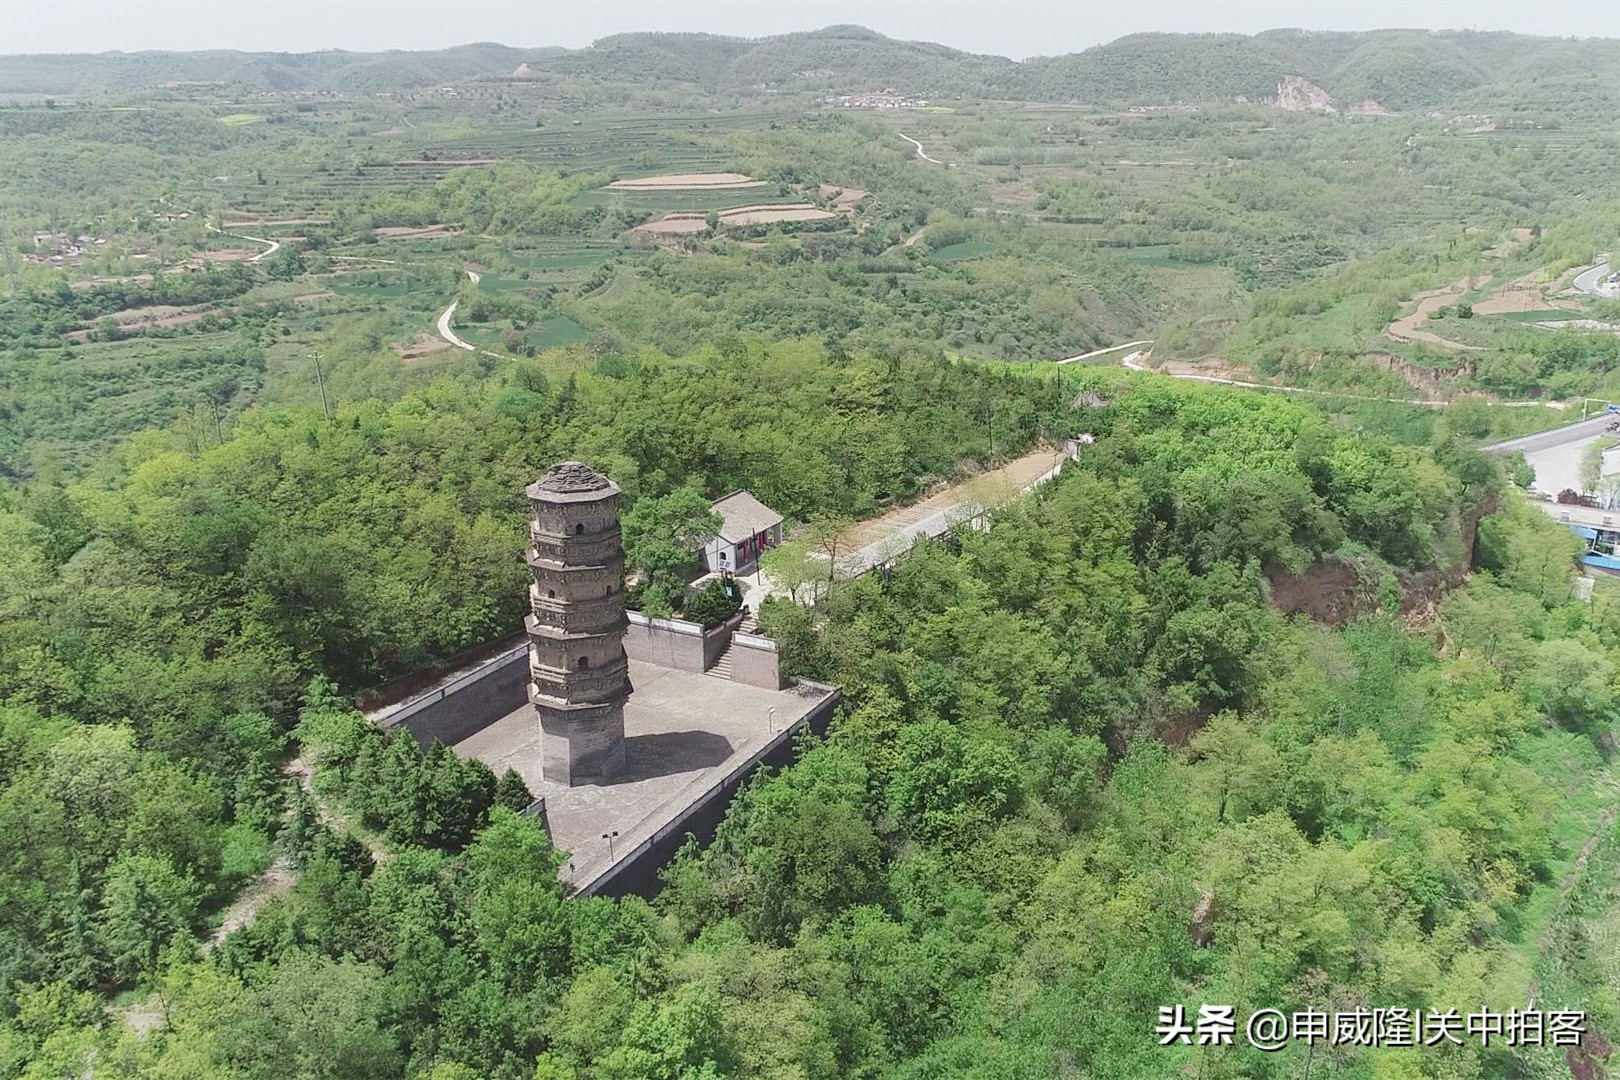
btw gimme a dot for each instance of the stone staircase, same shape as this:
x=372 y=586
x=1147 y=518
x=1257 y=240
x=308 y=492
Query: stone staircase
x=721 y=668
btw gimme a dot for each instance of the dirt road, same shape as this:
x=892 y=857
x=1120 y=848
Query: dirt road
x=276 y=881
x=1133 y=362
x=876 y=540
x=1406 y=327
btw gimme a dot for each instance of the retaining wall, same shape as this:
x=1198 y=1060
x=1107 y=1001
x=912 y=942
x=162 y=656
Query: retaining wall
x=467 y=703
x=676 y=643
x=477 y=699
x=754 y=661
x=637 y=872
x=671 y=643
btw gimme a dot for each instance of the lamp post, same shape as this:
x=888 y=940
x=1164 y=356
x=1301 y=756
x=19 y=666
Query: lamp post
x=608 y=836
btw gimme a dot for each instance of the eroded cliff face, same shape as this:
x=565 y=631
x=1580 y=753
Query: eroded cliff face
x=1295 y=93
x=1335 y=590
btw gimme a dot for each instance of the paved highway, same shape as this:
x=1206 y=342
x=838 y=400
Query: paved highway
x=1590 y=281
x=1582 y=431
x=1556 y=454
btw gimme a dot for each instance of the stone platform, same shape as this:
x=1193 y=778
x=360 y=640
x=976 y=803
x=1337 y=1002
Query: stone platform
x=687 y=736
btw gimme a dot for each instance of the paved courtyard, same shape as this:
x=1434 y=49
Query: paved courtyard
x=684 y=734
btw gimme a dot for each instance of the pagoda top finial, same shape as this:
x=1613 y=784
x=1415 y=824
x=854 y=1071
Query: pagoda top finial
x=571 y=481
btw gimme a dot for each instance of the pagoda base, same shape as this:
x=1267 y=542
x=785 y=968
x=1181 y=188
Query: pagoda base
x=581 y=744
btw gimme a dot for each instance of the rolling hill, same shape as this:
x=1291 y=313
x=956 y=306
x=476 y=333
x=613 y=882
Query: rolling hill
x=1401 y=69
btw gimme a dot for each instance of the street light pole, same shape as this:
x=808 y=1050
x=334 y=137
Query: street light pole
x=608 y=836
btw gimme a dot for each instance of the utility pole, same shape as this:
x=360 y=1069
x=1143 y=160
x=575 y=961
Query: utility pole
x=320 y=380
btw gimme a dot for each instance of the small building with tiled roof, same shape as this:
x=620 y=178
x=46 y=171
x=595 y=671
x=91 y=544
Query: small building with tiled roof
x=747 y=528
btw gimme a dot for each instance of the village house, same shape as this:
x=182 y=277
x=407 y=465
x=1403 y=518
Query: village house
x=747 y=528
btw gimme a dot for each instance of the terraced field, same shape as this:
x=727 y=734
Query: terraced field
x=629 y=145
x=376 y=286
x=562 y=262
x=968 y=249
x=685 y=198
x=553 y=333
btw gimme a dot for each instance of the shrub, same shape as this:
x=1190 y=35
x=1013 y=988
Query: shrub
x=714 y=603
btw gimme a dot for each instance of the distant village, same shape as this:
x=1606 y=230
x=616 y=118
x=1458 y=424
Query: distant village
x=61 y=248
x=888 y=98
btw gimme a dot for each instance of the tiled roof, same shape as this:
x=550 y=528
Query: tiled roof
x=743 y=516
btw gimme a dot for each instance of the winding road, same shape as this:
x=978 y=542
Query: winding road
x=1590 y=281
x=1132 y=362
x=920 y=151
x=275 y=245
x=449 y=334
x=1409 y=326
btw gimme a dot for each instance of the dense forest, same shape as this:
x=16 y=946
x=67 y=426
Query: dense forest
x=282 y=339
x=1093 y=699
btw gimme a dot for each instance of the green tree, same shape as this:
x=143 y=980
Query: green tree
x=321 y=1019
x=1572 y=683
x=663 y=537
x=1591 y=465
x=288 y=264
x=512 y=793
x=944 y=782
x=683 y=1037
x=145 y=907
x=519 y=921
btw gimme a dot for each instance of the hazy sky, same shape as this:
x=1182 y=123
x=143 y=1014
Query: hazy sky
x=1016 y=28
